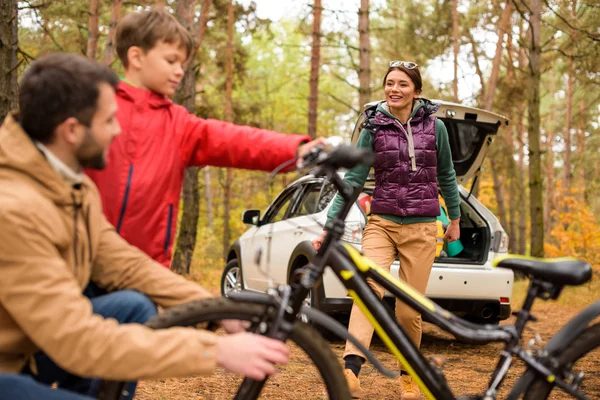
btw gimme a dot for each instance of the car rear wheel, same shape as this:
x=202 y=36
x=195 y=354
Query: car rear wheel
x=231 y=279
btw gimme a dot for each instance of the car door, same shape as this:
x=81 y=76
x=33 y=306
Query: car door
x=299 y=225
x=256 y=266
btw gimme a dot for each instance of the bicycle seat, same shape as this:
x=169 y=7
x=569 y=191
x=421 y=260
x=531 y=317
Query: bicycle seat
x=563 y=271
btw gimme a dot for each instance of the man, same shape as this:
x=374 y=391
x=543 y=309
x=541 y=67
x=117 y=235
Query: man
x=54 y=241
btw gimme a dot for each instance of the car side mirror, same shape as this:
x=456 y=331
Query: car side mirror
x=251 y=217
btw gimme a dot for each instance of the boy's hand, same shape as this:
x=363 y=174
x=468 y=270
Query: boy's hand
x=306 y=147
x=251 y=355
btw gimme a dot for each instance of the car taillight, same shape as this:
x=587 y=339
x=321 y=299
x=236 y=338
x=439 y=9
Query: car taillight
x=500 y=242
x=353 y=232
x=504 y=300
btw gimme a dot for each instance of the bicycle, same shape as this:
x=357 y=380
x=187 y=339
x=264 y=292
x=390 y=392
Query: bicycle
x=279 y=313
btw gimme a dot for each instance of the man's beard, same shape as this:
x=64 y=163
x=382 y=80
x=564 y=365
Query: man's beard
x=90 y=154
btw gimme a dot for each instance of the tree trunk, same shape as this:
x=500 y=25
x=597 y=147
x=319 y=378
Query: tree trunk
x=503 y=25
x=228 y=117
x=159 y=4
x=569 y=118
x=455 y=47
x=9 y=44
x=521 y=186
x=475 y=51
x=498 y=191
x=550 y=183
x=315 y=64
x=580 y=147
x=536 y=205
x=92 y=43
x=209 y=199
x=364 y=71
x=185 y=95
x=109 y=50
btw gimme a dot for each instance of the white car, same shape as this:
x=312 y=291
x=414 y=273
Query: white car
x=279 y=242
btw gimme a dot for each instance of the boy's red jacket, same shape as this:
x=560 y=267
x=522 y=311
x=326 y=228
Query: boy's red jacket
x=141 y=185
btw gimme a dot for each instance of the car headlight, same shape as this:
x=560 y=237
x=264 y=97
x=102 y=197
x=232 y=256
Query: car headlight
x=500 y=242
x=353 y=232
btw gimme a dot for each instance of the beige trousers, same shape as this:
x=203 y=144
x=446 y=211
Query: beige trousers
x=382 y=241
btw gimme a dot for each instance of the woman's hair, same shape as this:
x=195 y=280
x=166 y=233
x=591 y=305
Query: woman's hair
x=414 y=75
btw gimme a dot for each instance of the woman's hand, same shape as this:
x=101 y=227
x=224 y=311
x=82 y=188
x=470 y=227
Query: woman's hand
x=453 y=231
x=319 y=241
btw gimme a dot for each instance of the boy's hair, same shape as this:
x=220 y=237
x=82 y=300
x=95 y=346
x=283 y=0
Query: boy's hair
x=59 y=86
x=146 y=28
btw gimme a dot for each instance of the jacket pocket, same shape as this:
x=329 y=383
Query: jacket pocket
x=169 y=229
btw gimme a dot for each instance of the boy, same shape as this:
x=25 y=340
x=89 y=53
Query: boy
x=54 y=240
x=141 y=186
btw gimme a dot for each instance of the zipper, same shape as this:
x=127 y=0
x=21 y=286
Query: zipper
x=168 y=235
x=125 y=198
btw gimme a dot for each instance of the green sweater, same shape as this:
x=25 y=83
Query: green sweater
x=446 y=176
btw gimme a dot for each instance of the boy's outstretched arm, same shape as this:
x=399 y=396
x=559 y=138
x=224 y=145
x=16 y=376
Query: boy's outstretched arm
x=224 y=144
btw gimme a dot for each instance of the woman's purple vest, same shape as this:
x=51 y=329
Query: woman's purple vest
x=400 y=190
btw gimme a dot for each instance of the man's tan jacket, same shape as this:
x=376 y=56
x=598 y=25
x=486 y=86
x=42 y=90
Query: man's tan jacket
x=54 y=239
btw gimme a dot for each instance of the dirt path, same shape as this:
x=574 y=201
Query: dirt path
x=467 y=368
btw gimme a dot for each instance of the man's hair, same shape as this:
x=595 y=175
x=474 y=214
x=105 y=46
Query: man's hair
x=59 y=86
x=146 y=28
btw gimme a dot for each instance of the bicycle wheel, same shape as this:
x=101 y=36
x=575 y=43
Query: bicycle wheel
x=203 y=313
x=582 y=355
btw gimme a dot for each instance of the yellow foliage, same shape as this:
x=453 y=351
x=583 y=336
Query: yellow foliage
x=575 y=232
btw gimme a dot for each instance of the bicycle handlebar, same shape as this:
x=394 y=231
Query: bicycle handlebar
x=334 y=155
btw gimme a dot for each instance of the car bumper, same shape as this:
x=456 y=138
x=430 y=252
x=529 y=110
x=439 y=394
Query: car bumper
x=473 y=291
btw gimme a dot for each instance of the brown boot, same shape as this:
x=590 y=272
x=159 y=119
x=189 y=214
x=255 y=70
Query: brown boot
x=353 y=384
x=409 y=389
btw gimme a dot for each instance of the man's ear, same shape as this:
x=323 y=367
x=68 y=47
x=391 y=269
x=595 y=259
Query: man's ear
x=134 y=57
x=68 y=131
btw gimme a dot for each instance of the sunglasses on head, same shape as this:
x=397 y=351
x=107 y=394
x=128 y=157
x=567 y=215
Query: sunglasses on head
x=405 y=64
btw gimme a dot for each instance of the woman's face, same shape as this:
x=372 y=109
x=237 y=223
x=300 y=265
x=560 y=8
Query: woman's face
x=399 y=90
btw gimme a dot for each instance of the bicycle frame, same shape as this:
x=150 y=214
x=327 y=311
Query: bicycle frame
x=353 y=269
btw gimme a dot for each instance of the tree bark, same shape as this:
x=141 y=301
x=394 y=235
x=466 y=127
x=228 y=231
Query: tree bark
x=569 y=118
x=228 y=117
x=9 y=44
x=536 y=205
x=521 y=184
x=580 y=147
x=476 y=62
x=550 y=181
x=455 y=47
x=92 y=44
x=364 y=68
x=503 y=25
x=315 y=65
x=186 y=96
x=109 y=49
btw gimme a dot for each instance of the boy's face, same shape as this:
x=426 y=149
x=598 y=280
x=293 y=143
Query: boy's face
x=161 y=67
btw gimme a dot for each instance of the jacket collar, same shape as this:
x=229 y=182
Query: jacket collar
x=19 y=155
x=139 y=95
x=423 y=108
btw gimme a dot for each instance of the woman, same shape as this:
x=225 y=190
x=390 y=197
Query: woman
x=412 y=157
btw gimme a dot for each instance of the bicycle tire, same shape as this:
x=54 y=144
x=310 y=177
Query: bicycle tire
x=303 y=335
x=586 y=342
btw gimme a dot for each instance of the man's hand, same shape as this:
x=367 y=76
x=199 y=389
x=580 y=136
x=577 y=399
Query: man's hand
x=251 y=355
x=453 y=231
x=306 y=147
x=234 y=325
x=319 y=241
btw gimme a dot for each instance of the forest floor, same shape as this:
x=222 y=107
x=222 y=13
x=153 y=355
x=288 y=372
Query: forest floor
x=467 y=367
